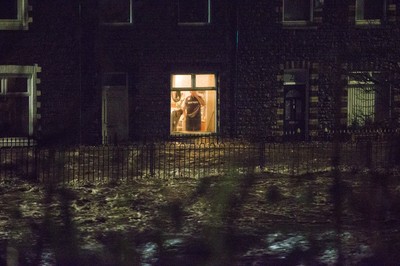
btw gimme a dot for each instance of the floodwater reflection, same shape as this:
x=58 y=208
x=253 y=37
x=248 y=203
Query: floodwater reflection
x=214 y=247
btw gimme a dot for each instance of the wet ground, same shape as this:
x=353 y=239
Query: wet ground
x=258 y=219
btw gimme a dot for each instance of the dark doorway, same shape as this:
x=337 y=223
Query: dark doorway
x=295 y=105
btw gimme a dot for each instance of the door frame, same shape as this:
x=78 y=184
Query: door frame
x=293 y=81
x=106 y=138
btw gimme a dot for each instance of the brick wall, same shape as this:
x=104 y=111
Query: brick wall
x=248 y=48
x=328 y=48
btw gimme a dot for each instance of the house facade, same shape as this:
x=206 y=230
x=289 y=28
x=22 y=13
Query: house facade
x=101 y=71
x=309 y=67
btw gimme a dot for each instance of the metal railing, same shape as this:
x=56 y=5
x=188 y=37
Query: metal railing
x=189 y=159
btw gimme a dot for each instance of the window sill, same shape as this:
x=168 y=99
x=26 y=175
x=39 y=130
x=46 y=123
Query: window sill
x=195 y=24
x=116 y=24
x=299 y=25
x=13 y=25
x=191 y=133
x=368 y=23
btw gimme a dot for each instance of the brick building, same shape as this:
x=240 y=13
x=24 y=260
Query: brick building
x=298 y=58
x=98 y=70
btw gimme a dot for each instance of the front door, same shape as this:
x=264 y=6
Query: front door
x=115 y=114
x=294 y=125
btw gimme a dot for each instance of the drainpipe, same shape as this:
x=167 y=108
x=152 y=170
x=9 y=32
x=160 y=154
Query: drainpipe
x=235 y=85
x=80 y=68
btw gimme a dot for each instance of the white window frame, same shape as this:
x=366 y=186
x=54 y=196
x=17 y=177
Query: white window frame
x=298 y=22
x=30 y=72
x=366 y=22
x=194 y=88
x=21 y=22
x=199 y=23
x=362 y=88
x=130 y=22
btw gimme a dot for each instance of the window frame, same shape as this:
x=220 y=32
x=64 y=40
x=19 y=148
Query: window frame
x=369 y=22
x=22 y=20
x=29 y=72
x=120 y=23
x=367 y=86
x=199 y=23
x=194 y=88
x=298 y=22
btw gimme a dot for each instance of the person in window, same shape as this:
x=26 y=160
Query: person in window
x=192 y=111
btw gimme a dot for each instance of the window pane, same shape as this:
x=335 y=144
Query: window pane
x=8 y=9
x=112 y=11
x=193 y=111
x=297 y=10
x=17 y=84
x=373 y=9
x=360 y=106
x=193 y=11
x=204 y=81
x=181 y=81
x=369 y=9
x=14 y=116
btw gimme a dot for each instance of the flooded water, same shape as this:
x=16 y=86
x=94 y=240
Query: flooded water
x=254 y=220
x=215 y=246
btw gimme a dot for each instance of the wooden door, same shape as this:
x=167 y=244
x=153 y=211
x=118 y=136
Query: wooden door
x=115 y=114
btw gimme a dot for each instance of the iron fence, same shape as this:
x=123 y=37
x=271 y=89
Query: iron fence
x=189 y=159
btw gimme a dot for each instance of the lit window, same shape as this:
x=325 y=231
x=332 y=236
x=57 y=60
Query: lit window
x=193 y=103
x=17 y=101
x=297 y=11
x=194 y=12
x=369 y=11
x=14 y=15
x=116 y=12
x=367 y=102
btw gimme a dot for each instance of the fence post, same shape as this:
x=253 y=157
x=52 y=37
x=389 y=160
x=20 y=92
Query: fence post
x=152 y=157
x=35 y=163
x=261 y=155
x=368 y=159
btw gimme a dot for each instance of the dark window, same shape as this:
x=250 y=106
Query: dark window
x=112 y=11
x=8 y=9
x=14 y=116
x=296 y=10
x=17 y=100
x=369 y=9
x=16 y=84
x=194 y=11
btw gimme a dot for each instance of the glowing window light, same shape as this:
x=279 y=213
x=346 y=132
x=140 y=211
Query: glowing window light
x=181 y=81
x=205 y=81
